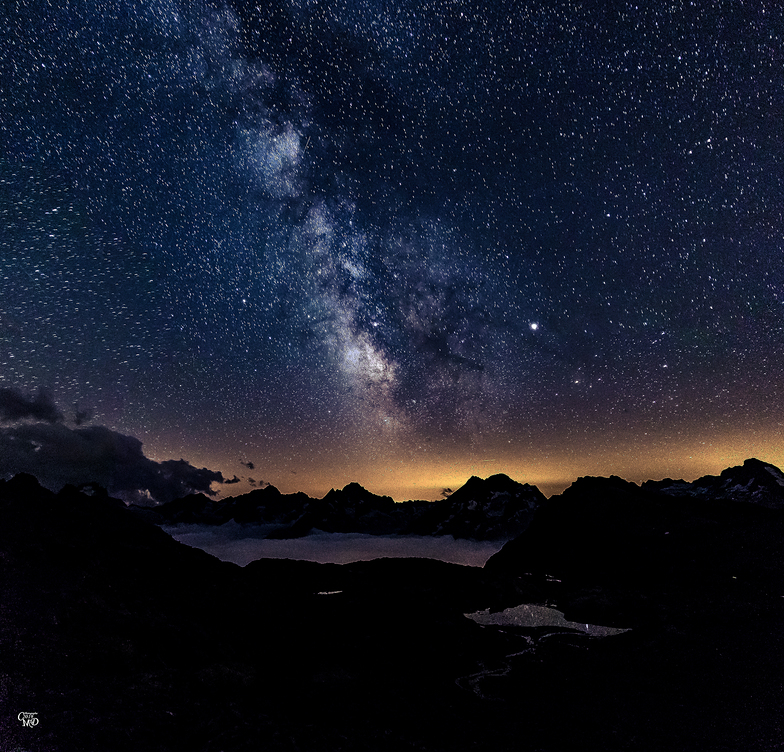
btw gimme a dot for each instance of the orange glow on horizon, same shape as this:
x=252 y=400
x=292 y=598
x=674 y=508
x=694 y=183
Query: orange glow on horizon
x=406 y=470
x=404 y=477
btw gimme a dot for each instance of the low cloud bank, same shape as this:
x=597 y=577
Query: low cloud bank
x=229 y=542
x=57 y=454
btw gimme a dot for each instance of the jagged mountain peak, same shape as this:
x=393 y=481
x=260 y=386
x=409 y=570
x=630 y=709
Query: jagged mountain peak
x=502 y=479
x=350 y=490
x=266 y=491
x=494 y=482
x=353 y=493
x=589 y=484
x=754 y=468
x=754 y=481
x=484 y=509
x=355 y=487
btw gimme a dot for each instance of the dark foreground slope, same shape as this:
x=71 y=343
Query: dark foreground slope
x=700 y=582
x=119 y=638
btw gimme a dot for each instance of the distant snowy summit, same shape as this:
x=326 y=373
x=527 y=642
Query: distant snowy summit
x=497 y=508
x=755 y=481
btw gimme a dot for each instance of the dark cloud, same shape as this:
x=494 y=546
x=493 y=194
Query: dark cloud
x=57 y=455
x=15 y=406
x=235 y=479
x=251 y=481
x=249 y=465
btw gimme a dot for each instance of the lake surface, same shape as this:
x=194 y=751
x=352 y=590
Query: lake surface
x=533 y=615
x=240 y=544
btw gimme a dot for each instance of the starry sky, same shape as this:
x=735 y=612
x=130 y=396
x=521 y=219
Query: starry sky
x=309 y=242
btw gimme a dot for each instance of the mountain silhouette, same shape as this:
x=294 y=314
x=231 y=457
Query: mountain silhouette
x=118 y=637
x=497 y=508
x=755 y=481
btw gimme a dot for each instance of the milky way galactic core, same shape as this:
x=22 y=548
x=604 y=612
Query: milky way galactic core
x=398 y=243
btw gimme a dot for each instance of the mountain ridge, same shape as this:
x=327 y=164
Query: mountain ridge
x=494 y=508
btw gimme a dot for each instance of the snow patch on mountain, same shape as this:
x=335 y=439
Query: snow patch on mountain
x=778 y=476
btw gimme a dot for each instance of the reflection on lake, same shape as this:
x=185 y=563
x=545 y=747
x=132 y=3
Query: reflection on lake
x=531 y=615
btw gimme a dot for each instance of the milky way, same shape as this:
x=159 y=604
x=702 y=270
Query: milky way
x=399 y=243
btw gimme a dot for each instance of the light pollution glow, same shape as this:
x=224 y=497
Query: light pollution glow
x=552 y=469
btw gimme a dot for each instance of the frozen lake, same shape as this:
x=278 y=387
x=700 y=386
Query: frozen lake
x=238 y=544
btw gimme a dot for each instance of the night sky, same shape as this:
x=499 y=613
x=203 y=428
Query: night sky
x=309 y=242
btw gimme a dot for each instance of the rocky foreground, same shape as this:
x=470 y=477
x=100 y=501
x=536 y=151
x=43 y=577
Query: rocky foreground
x=119 y=638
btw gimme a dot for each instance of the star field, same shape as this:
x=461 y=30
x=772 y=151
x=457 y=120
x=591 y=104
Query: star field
x=400 y=243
